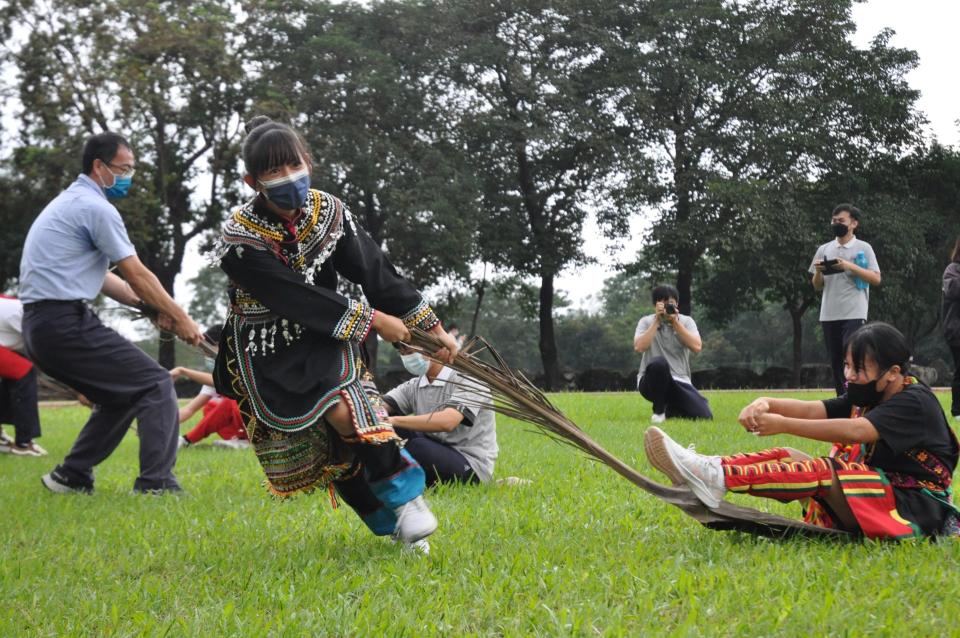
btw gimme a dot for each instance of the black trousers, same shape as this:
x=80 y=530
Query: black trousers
x=441 y=463
x=68 y=342
x=669 y=396
x=835 y=334
x=955 y=386
x=18 y=405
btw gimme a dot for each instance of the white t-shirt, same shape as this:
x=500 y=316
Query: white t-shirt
x=11 y=318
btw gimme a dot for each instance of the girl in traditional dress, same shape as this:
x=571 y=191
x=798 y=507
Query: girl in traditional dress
x=891 y=466
x=289 y=351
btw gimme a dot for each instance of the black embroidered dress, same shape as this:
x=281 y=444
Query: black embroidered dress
x=289 y=347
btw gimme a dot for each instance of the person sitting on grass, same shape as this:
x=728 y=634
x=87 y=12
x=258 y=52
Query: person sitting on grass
x=18 y=385
x=220 y=414
x=665 y=339
x=441 y=415
x=889 y=472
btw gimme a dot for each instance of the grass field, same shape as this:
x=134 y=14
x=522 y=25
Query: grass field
x=579 y=552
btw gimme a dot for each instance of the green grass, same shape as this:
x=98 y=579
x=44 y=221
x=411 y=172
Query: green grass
x=579 y=552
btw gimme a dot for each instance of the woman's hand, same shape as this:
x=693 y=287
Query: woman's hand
x=450 y=348
x=176 y=372
x=769 y=424
x=748 y=415
x=390 y=328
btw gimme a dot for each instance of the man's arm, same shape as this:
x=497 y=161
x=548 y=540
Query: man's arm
x=872 y=277
x=690 y=339
x=147 y=287
x=445 y=420
x=818 y=278
x=119 y=290
x=642 y=343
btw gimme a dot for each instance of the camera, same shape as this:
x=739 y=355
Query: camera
x=670 y=308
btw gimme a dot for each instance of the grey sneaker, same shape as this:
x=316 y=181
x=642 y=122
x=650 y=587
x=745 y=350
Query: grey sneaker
x=232 y=444
x=30 y=449
x=414 y=521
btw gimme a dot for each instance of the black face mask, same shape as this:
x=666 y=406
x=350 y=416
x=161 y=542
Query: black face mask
x=865 y=395
x=839 y=229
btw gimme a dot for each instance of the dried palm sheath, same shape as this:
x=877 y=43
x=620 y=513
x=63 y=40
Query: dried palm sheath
x=517 y=398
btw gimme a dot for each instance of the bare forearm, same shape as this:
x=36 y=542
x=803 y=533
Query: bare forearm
x=442 y=421
x=119 y=290
x=203 y=378
x=797 y=409
x=642 y=343
x=818 y=280
x=147 y=287
x=857 y=430
x=872 y=277
x=689 y=339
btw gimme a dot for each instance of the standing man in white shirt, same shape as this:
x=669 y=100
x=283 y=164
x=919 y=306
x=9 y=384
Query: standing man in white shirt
x=666 y=338
x=844 y=269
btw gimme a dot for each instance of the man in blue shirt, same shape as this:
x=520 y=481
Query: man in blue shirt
x=64 y=265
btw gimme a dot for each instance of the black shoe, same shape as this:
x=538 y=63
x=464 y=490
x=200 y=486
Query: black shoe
x=159 y=490
x=58 y=482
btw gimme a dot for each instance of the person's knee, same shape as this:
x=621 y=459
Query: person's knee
x=658 y=365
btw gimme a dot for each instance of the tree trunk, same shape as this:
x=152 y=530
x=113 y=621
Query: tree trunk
x=167 y=354
x=548 y=341
x=796 y=314
x=685 y=282
x=481 y=289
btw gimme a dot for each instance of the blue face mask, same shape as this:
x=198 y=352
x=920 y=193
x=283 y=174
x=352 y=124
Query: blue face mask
x=119 y=188
x=289 y=192
x=415 y=363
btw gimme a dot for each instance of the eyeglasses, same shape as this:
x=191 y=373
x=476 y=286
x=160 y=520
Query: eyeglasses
x=126 y=171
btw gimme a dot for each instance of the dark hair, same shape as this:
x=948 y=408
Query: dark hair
x=847 y=208
x=270 y=144
x=103 y=147
x=884 y=343
x=955 y=255
x=664 y=292
x=213 y=332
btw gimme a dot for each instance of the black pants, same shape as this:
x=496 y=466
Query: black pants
x=68 y=342
x=441 y=463
x=18 y=405
x=669 y=396
x=955 y=386
x=835 y=334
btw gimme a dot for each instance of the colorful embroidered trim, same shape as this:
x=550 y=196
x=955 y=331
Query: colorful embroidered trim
x=355 y=322
x=422 y=316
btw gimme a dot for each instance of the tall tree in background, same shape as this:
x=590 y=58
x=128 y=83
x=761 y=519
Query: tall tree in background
x=728 y=92
x=358 y=82
x=523 y=77
x=165 y=74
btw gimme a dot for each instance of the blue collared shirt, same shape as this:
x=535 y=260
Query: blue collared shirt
x=71 y=244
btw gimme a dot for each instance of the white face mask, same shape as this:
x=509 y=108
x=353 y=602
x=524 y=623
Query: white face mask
x=415 y=363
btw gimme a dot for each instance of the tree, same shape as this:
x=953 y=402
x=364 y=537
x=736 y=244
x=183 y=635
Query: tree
x=168 y=76
x=721 y=92
x=522 y=77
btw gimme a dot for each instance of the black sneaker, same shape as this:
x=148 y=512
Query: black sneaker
x=169 y=488
x=59 y=483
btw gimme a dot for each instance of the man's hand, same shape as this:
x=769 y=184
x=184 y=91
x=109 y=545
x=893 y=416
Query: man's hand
x=188 y=330
x=164 y=322
x=390 y=328
x=660 y=311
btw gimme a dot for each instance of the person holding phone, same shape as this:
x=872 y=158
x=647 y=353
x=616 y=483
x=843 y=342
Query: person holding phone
x=665 y=339
x=844 y=269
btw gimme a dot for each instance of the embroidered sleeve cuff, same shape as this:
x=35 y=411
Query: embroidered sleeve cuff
x=355 y=322
x=421 y=317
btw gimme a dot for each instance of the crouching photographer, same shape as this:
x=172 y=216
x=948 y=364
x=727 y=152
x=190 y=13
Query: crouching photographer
x=665 y=339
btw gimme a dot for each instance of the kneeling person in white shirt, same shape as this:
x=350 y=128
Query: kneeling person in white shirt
x=441 y=414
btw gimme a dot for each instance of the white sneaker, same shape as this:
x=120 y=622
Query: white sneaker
x=956 y=417
x=232 y=444
x=30 y=449
x=421 y=547
x=415 y=521
x=702 y=474
x=658 y=418
x=6 y=443
x=654 y=444
x=182 y=442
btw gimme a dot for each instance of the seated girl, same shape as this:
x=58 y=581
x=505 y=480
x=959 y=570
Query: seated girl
x=888 y=474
